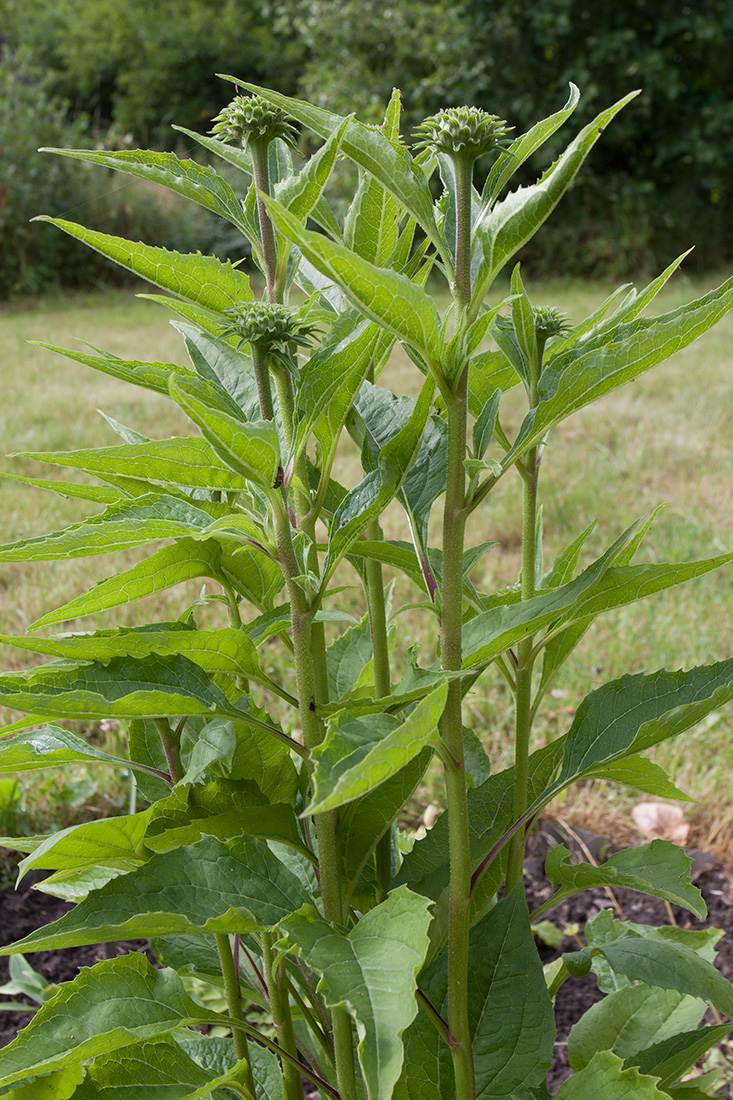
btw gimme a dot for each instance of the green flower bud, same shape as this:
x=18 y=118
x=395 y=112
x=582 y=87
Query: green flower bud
x=463 y=131
x=268 y=326
x=549 y=321
x=252 y=118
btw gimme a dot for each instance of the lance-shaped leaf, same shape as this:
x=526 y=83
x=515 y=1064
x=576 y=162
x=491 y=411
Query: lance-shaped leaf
x=299 y=193
x=197 y=182
x=117 y=1003
x=217 y=361
x=250 y=449
x=489 y=372
x=187 y=461
x=372 y=972
x=52 y=747
x=348 y=657
x=667 y=964
x=660 y=869
x=605 y=1078
x=234 y=887
x=125 y=687
x=98 y=494
x=631 y=1020
x=644 y=774
x=372 y=150
x=201 y=279
x=369 y=499
x=390 y=299
x=590 y=369
x=359 y=754
x=116 y=842
x=511 y=158
x=331 y=378
x=172 y=565
x=121 y=526
x=517 y=217
x=372 y=223
x=495 y=630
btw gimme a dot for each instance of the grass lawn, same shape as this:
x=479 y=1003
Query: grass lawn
x=665 y=438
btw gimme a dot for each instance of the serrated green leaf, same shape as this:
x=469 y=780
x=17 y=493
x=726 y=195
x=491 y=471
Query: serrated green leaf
x=372 y=223
x=605 y=1078
x=357 y=755
x=237 y=156
x=515 y=219
x=644 y=774
x=155 y=1070
x=372 y=972
x=301 y=192
x=347 y=657
x=201 y=279
x=186 y=461
x=234 y=887
x=117 y=1003
x=589 y=370
x=671 y=1057
x=172 y=565
x=99 y=494
x=115 y=842
x=245 y=751
x=660 y=869
x=120 y=527
x=51 y=747
x=194 y=181
x=386 y=297
x=251 y=449
x=55 y=1086
x=372 y=150
x=666 y=964
x=629 y=1021
x=489 y=372
x=125 y=687
x=151 y=376
x=509 y=160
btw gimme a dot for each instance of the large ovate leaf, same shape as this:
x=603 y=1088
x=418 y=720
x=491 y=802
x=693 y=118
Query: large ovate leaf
x=125 y=687
x=154 y=1070
x=201 y=279
x=194 y=181
x=605 y=1078
x=188 y=461
x=245 y=752
x=172 y=565
x=372 y=972
x=386 y=297
x=517 y=217
x=359 y=754
x=372 y=150
x=590 y=369
x=234 y=887
x=631 y=1020
x=117 y=1003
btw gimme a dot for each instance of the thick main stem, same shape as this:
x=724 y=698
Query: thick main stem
x=382 y=686
x=234 y=1003
x=452 y=735
x=260 y=171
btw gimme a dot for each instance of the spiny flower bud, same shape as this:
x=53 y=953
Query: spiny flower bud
x=268 y=326
x=463 y=131
x=549 y=321
x=252 y=118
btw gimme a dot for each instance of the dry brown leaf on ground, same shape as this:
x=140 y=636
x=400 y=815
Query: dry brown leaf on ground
x=661 y=821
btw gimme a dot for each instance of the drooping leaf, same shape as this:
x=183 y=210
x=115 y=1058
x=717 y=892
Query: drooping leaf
x=359 y=754
x=660 y=869
x=645 y=775
x=201 y=279
x=372 y=972
x=172 y=565
x=245 y=752
x=51 y=747
x=234 y=887
x=125 y=687
x=605 y=1078
x=117 y=1003
x=671 y=1057
x=116 y=843
x=194 y=181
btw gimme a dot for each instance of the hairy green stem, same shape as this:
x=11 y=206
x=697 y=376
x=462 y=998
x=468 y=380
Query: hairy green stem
x=280 y=1008
x=262 y=379
x=452 y=735
x=233 y=993
x=382 y=685
x=169 y=741
x=260 y=171
x=314 y=1024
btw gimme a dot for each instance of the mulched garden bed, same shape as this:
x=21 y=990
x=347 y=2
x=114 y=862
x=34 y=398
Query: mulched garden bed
x=26 y=909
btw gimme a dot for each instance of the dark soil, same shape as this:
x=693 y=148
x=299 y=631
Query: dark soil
x=26 y=909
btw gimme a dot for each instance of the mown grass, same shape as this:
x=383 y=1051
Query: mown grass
x=665 y=438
